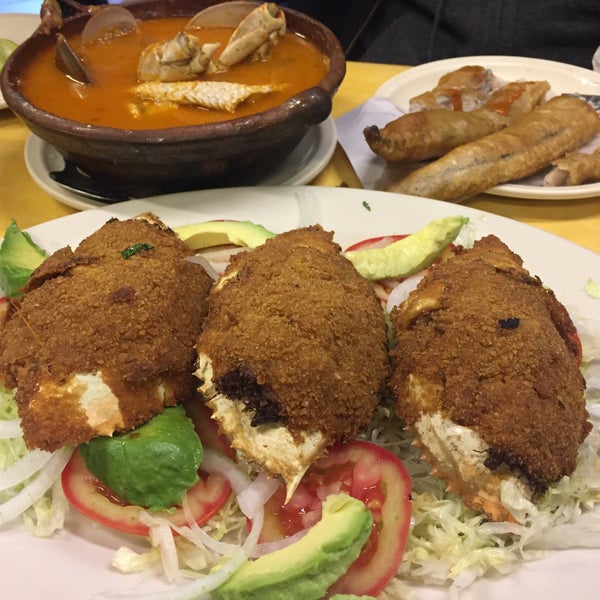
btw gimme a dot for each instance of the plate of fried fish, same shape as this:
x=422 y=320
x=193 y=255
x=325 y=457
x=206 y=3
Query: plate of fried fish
x=496 y=129
x=476 y=388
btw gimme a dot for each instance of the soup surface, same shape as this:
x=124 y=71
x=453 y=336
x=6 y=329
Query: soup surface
x=294 y=62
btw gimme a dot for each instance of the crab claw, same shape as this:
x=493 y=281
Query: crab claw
x=256 y=30
x=180 y=59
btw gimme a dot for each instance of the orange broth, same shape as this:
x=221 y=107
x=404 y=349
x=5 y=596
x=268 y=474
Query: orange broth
x=294 y=61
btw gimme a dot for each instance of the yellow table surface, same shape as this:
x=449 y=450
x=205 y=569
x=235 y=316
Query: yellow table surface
x=21 y=198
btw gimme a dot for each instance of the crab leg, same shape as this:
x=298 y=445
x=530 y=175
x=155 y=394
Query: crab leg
x=255 y=35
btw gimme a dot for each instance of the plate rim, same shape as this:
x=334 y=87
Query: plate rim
x=509 y=190
x=385 y=210
x=322 y=149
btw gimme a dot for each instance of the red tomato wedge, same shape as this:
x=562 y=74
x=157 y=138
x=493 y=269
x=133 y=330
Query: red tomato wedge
x=371 y=474
x=94 y=500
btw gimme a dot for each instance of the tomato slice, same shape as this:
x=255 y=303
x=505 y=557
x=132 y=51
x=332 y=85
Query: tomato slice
x=371 y=474
x=93 y=499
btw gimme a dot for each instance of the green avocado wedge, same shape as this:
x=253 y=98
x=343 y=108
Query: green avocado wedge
x=217 y=233
x=410 y=254
x=308 y=567
x=399 y=259
x=19 y=257
x=151 y=466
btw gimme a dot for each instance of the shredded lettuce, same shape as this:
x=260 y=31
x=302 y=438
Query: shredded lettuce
x=451 y=545
x=47 y=514
x=229 y=524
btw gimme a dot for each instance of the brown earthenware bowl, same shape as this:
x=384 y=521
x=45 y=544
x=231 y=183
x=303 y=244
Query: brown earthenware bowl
x=155 y=161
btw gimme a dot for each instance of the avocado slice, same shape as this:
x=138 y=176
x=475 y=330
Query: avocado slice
x=216 y=233
x=19 y=257
x=410 y=254
x=151 y=466
x=308 y=567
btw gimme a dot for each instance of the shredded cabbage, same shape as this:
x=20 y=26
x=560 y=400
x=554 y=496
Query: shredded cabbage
x=46 y=515
x=451 y=545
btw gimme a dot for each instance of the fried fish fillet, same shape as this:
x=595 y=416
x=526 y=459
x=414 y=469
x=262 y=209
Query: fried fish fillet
x=465 y=88
x=104 y=335
x=431 y=133
x=574 y=168
x=485 y=373
x=293 y=353
x=561 y=125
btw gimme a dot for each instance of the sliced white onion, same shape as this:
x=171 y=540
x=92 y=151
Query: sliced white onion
x=34 y=490
x=195 y=534
x=254 y=497
x=10 y=429
x=108 y=22
x=203 y=262
x=161 y=537
x=23 y=468
x=213 y=462
x=403 y=289
x=268 y=547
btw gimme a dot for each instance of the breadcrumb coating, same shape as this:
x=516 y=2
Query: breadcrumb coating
x=299 y=336
x=500 y=349
x=131 y=322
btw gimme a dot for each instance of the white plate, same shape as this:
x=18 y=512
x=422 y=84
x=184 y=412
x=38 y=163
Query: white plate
x=76 y=563
x=305 y=162
x=563 y=78
x=18 y=28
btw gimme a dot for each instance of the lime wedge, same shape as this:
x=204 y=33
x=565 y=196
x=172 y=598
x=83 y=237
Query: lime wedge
x=6 y=47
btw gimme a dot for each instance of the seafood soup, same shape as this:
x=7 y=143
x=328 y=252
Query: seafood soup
x=292 y=65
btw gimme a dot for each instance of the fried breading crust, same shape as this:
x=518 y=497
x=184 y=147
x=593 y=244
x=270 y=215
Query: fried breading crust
x=299 y=336
x=562 y=124
x=134 y=320
x=499 y=349
x=431 y=133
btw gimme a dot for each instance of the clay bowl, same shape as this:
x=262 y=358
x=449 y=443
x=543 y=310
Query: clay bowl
x=156 y=161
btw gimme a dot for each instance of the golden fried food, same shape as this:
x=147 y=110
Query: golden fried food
x=292 y=356
x=574 y=168
x=431 y=133
x=485 y=373
x=561 y=125
x=104 y=335
x=462 y=89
